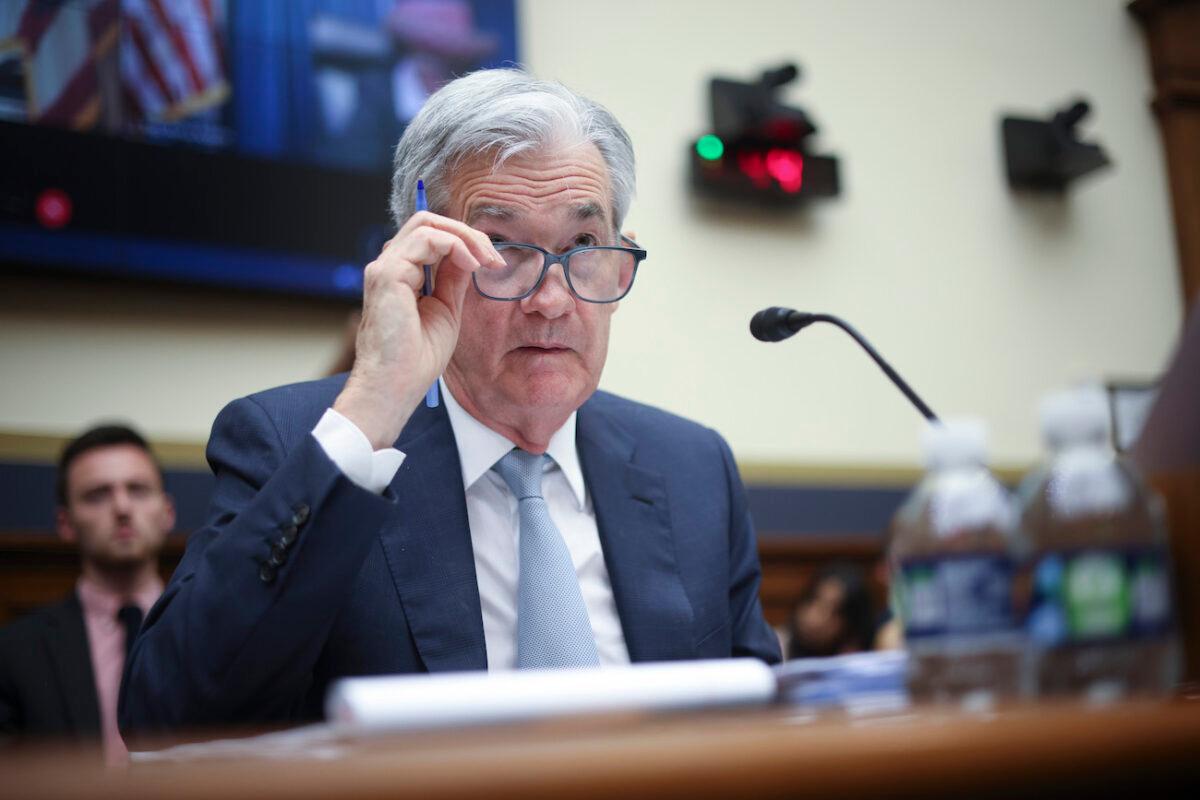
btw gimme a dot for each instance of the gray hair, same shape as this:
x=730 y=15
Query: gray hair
x=504 y=113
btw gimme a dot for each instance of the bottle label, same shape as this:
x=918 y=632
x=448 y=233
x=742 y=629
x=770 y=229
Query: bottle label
x=955 y=596
x=1099 y=594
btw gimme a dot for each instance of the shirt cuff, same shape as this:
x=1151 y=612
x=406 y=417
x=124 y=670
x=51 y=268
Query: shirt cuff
x=350 y=450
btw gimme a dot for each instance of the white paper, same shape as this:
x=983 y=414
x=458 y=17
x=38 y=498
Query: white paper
x=410 y=702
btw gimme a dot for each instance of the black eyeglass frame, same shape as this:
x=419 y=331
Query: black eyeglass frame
x=549 y=259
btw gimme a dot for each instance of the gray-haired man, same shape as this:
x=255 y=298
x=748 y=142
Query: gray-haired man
x=526 y=521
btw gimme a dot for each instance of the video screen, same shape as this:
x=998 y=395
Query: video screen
x=236 y=142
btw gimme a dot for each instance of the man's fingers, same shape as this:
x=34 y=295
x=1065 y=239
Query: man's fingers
x=454 y=251
x=404 y=261
x=450 y=287
x=476 y=241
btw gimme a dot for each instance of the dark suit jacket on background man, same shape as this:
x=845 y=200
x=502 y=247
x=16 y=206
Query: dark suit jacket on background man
x=46 y=683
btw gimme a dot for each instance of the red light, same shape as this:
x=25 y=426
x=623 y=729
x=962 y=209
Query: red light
x=786 y=167
x=752 y=166
x=53 y=208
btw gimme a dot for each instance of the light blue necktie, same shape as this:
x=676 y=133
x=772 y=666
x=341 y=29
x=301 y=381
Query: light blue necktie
x=553 y=629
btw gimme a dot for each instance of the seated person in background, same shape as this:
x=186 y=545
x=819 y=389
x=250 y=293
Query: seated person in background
x=527 y=520
x=60 y=667
x=833 y=616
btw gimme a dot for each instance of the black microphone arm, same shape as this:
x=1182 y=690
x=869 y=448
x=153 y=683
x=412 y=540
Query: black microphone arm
x=776 y=324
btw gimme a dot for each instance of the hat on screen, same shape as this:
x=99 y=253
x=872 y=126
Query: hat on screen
x=442 y=27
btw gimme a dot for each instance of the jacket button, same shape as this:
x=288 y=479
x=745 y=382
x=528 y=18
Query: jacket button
x=288 y=535
x=278 y=556
x=266 y=573
x=301 y=515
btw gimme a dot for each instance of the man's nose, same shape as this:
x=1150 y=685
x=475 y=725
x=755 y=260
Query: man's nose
x=122 y=503
x=553 y=297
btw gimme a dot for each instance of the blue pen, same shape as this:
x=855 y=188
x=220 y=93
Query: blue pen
x=431 y=396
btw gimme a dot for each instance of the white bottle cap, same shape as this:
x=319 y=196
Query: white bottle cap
x=954 y=442
x=1075 y=416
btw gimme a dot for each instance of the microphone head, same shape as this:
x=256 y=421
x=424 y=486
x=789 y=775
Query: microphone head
x=773 y=324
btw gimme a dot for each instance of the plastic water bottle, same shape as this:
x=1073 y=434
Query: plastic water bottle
x=1100 y=622
x=952 y=558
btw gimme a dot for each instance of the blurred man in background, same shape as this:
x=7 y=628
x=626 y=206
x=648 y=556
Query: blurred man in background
x=60 y=667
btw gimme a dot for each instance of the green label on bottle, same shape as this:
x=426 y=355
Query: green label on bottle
x=1100 y=594
x=1096 y=594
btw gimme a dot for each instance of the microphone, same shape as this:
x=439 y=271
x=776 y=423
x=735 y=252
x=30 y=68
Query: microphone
x=776 y=324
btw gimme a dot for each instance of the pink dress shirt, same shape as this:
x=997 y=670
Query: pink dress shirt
x=106 y=642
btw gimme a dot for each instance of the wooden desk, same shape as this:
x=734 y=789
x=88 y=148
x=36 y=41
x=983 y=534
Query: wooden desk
x=1136 y=750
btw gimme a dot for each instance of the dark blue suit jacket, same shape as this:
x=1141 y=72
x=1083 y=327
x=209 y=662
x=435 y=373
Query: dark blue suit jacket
x=386 y=584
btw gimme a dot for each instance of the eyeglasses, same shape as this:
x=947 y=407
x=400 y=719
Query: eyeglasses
x=595 y=274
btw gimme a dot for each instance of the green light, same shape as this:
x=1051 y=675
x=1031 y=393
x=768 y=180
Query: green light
x=710 y=148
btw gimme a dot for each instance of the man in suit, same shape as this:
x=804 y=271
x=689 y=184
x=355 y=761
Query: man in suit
x=527 y=520
x=60 y=667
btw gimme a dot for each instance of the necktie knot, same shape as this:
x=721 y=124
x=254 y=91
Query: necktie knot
x=522 y=472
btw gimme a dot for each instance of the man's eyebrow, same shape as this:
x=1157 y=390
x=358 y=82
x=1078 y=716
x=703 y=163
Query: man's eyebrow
x=588 y=211
x=495 y=213
x=584 y=212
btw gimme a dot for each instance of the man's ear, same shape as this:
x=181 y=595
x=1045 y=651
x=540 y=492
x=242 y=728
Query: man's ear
x=629 y=234
x=62 y=524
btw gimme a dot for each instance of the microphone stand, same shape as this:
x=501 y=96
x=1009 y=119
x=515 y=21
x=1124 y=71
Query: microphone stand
x=925 y=410
x=797 y=320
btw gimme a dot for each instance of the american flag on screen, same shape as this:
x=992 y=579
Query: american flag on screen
x=59 y=44
x=164 y=55
x=170 y=58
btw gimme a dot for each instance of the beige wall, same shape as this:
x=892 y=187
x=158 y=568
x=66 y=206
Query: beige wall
x=983 y=300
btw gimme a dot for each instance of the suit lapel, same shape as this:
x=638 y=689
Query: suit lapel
x=428 y=548
x=633 y=516
x=67 y=649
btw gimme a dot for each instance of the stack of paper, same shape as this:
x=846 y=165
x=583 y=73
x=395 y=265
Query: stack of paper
x=406 y=702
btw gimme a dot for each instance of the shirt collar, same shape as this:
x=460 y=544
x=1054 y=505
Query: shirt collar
x=480 y=447
x=98 y=600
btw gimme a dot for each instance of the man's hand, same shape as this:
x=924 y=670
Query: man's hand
x=405 y=339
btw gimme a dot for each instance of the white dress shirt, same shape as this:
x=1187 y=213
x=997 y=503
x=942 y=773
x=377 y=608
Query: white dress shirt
x=495 y=523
